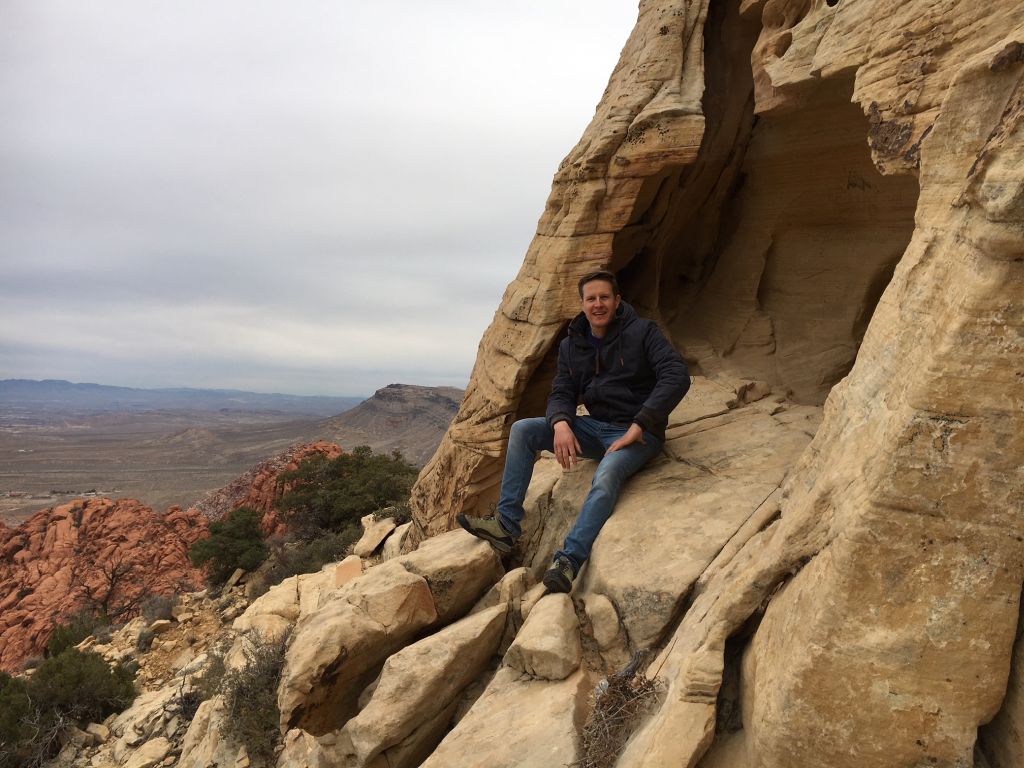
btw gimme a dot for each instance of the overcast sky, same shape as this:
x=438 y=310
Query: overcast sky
x=313 y=197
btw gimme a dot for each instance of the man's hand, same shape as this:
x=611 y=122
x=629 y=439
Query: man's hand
x=633 y=435
x=567 y=447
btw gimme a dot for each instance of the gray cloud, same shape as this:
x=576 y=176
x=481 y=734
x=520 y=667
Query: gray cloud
x=316 y=198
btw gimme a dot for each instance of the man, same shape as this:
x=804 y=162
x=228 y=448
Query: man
x=623 y=369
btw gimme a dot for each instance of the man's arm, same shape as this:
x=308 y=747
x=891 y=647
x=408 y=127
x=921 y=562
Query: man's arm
x=562 y=408
x=672 y=380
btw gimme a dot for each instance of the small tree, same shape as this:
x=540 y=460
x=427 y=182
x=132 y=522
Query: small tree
x=333 y=494
x=234 y=542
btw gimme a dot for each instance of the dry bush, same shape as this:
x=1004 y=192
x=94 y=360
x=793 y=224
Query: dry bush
x=250 y=694
x=619 y=702
x=157 y=607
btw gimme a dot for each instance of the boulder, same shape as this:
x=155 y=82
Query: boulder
x=160 y=626
x=143 y=720
x=282 y=605
x=604 y=620
x=516 y=722
x=418 y=684
x=374 y=533
x=77 y=737
x=303 y=750
x=99 y=732
x=418 y=745
x=395 y=544
x=203 y=744
x=149 y=754
x=548 y=645
x=337 y=650
x=347 y=569
x=458 y=567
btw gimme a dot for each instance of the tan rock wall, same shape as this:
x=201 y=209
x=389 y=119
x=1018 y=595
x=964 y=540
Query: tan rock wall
x=893 y=644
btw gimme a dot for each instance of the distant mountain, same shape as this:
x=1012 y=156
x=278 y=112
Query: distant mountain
x=66 y=396
x=403 y=417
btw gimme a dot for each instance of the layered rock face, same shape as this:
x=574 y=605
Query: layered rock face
x=825 y=196
x=94 y=553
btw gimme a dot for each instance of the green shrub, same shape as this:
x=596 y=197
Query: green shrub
x=74 y=629
x=333 y=494
x=15 y=715
x=81 y=685
x=234 y=542
x=74 y=687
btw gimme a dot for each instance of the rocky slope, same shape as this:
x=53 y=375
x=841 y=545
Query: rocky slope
x=400 y=417
x=446 y=656
x=403 y=657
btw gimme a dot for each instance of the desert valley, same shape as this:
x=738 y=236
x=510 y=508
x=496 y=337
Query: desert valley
x=60 y=441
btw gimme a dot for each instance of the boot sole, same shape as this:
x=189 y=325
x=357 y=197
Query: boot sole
x=502 y=546
x=556 y=582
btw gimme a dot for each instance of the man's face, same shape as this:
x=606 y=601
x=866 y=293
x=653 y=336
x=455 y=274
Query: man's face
x=599 y=305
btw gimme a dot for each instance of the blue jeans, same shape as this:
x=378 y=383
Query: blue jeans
x=529 y=436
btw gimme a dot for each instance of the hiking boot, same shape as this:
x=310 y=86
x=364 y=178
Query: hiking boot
x=559 y=576
x=490 y=530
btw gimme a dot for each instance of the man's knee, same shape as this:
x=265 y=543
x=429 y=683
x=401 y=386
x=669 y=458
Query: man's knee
x=529 y=431
x=614 y=470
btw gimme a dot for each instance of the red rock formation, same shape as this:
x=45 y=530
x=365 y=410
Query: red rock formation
x=109 y=554
x=259 y=488
x=99 y=553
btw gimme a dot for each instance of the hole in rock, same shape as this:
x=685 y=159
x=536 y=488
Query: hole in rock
x=767 y=258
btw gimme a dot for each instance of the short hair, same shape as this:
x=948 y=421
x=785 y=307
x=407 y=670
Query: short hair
x=601 y=274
